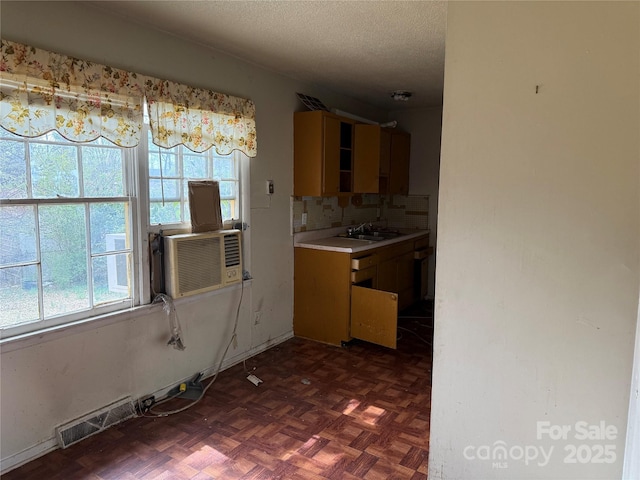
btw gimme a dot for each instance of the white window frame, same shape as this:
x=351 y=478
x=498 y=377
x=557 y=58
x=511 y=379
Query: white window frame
x=129 y=197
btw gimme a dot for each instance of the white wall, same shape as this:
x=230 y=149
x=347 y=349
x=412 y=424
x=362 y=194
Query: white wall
x=65 y=376
x=425 y=125
x=631 y=468
x=538 y=248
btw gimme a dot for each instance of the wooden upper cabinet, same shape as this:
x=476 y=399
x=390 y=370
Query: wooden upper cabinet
x=322 y=154
x=399 y=163
x=333 y=155
x=381 y=160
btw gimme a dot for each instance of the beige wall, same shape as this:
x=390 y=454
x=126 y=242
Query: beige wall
x=538 y=248
x=65 y=376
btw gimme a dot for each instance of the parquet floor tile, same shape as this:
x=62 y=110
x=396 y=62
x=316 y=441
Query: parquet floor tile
x=323 y=412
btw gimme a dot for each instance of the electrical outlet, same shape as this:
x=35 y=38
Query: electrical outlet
x=257 y=318
x=304 y=219
x=146 y=403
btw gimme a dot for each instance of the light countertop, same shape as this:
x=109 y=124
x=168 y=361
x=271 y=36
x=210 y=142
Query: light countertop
x=327 y=240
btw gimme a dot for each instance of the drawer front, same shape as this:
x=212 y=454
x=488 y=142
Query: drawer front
x=358 y=276
x=364 y=262
x=421 y=243
x=421 y=254
x=393 y=251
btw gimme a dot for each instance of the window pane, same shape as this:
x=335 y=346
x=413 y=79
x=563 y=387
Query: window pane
x=111 y=278
x=108 y=227
x=18 y=295
x=13 y=170
x=169 y=163
x=102 y=172
x=227 y=208
x=54 y=170
x=167 y=189
x=17 y=234
x=64 y=258
x=227 y=189
x=195 y=166
x=169 y=213
x=223 y=167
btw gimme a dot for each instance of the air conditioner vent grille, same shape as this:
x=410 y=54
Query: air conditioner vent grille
x=199 y=262
x=231 y=250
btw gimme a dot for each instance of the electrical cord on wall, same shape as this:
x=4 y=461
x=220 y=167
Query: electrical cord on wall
x=170 y=309
x=232 y=340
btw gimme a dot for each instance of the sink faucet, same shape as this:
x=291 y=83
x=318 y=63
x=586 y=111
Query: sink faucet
x=360 y=228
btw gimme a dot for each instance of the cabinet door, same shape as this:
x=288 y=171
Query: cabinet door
x=321 y=295
x=366 y=158
x=385 y=161
x=308 y=153
x=399 y=168
x=331 y=161
x=374 y=316
x=385 y=152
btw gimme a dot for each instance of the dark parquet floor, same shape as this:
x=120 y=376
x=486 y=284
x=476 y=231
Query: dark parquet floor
x=323 y=412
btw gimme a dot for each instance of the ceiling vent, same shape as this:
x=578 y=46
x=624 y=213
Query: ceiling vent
x=401 y=95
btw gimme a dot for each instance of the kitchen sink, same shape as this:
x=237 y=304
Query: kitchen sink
x=375 y=236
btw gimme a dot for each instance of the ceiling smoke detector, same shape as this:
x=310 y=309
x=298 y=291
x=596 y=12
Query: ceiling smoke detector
x=401 y=95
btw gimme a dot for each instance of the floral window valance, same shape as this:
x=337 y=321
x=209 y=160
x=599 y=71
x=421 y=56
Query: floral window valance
x=200 y=119
x=42 y=91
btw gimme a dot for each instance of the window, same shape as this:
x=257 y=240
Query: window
x=74 y=217
x=170 y=169
x=70 y=214
x=63 y=205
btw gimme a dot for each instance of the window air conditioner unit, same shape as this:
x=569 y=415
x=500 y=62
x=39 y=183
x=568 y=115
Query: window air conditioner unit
x=200 y=262
x=117 y=265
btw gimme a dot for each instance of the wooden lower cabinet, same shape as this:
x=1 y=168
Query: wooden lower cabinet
x=339 y=296
x=322 y=295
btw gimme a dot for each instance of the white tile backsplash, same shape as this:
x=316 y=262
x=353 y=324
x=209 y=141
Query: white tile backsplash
x=396 y=211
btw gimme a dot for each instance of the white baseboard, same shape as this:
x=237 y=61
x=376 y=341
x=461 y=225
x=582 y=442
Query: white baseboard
x=28 y=454
x=25 y=456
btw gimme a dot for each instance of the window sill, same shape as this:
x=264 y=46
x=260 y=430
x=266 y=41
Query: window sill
x=30 y=339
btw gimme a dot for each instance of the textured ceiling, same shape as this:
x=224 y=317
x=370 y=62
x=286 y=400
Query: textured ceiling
x=365 y=49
